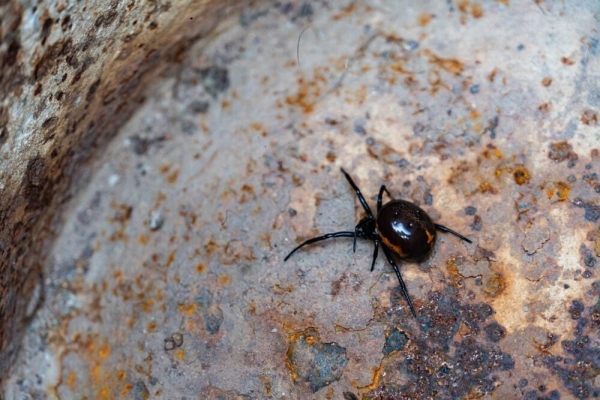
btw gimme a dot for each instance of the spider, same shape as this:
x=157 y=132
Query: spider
x=401 y=228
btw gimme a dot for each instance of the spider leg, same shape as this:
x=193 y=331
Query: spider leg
x=358 y=194
x=380 y=196
x=375 y=254
x=402 y=285
x=448 y=230
x=319 y=238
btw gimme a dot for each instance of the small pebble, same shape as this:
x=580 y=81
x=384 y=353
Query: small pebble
x=113 y=180
x=156 y=220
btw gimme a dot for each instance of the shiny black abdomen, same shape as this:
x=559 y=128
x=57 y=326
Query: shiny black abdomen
x=406 y=229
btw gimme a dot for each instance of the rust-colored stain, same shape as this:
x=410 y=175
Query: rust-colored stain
x=494 y=284
x=452 y=268
x=172 y=177
x=151 y=327
x=200 y=268
x=424 y=19
x=346 y=12
x=164 y=168
x=547 y=81
x=451 y=65
x=170 y=258
x=476 y=10
x=224 y=279
x=309 y=92
x=486 y=187
x=589 y=117
x=561 y=151
x=376 y=379
x=179 y=354
x=188 y=309
x=462 y=5
x=521 y=175
x=545 y=107
x=71 y=379
x=567 y=61
x=561 y=190
x=281 y=290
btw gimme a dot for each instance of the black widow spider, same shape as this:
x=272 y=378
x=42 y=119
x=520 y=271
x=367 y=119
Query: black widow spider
x=401 y=227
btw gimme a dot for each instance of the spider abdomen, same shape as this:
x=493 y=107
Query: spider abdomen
x=406 y=229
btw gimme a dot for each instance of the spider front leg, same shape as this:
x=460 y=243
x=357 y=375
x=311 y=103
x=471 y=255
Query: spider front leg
x=362 y=200
x=380 y=196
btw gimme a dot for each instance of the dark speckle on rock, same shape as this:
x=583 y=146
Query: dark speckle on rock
x=561 y=151
x=428 y=198
x=579 y=368
x=418 y=128
x=198 y=107
x=215 y=80
x=359 y=127
x=495 y=332
x=314 y=362
x=210 y=311
x=470 y=210
x=476 y=225
x=250 y=15
x=592 y=211
x=395 y=340
x=576 y=309
x=350 y=396
x=435 y=362
x=402 y=163
x=140 y=392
